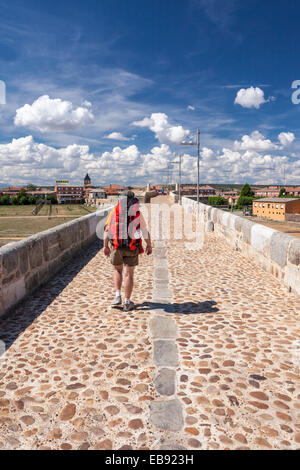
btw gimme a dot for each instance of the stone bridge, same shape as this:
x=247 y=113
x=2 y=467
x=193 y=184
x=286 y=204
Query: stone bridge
x=208 y=360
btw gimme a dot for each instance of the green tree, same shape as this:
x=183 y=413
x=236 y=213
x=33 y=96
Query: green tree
x=31 y=187
x=283 y=192
x=247 y=196
x=14 y=201
x=244 y=201
x=31 y=200
x=22 y=197
x=247 y=191
x=217 y=201
x=22 y=200
x=5 y=201
x=52 y=199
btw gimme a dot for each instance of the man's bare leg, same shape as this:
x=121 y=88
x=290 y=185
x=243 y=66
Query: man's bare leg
x=118 y=277
x=129 y=281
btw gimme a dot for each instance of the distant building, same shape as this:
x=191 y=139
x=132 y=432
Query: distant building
x=276 y=208
x=268 y=191
x=41 y=194
x=38 y=193
x=67 y=194
x=231 y=196
x=113 y=190
x=87 y=187
x=293 y=190
x=11 y=192
x=87 y=180
x=96 y=195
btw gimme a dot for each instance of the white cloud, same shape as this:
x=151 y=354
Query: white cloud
x=25 y=152
x=286 y=138
x=191 y=108
x=47 y=114
x=118 y=160
x=255 y=141
x=24 y=160
x=164 y=131
x=250 y=97
x=117 y=136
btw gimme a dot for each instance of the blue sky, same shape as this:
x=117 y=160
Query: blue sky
x=112 y=88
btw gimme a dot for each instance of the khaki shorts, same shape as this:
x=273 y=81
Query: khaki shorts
x=124 y=256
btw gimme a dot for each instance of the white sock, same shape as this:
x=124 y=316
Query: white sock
x=127 y=301
x=118 y=293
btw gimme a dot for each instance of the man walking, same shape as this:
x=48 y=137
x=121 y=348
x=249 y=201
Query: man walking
x=124 y=230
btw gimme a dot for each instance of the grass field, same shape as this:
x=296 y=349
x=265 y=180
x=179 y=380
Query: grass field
x=68 y=210
x=17 y=222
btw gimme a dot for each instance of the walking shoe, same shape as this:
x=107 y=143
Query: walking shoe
x=128 y=306
x=117 y=301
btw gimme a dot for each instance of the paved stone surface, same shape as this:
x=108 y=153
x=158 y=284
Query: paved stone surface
x=165 y=353
x=167 y=415
x=163 y=327
x=79 y=375
x=239 y=350
x=165 y=382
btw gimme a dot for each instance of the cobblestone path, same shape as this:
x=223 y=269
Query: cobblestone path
x=209 y=360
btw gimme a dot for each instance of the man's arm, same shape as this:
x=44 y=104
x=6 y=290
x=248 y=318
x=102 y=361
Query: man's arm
x=106 y=241
x=106 y=234
x=146 y=235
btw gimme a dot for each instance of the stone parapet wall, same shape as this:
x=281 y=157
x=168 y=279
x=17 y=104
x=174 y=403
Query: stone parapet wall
x=292 y=217
x=30 y=263
x=276 y=252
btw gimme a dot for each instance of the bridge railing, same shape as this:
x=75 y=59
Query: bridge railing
x=276 y=252
x=26 y=265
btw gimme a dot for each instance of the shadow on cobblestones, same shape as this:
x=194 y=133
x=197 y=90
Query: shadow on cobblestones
x=13 y=324
x=186 y=308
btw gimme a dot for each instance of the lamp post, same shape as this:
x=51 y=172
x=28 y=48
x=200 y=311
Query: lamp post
x=179 y=163
x=198 y=163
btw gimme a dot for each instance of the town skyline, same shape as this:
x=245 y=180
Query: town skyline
x=88 y=88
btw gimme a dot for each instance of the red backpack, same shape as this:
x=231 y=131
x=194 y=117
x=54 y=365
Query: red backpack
x=125 y=227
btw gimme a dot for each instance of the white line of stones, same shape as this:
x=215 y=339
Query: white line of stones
x=167 y=414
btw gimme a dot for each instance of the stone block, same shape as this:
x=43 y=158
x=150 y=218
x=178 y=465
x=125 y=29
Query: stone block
x=165 y=382
x=163 y=327
x=10 y=259
x=54 y=252
x=52 y=236
x=12 y=294
x=294 y=252
x=214 y=215
x=261 y=238
x=31 y=282
x=160 y=253
x=167 y=415
x=43 y=275
x=35 y=253
x=65 y=237
x=279 y=245
x=165 y=353
x=161 y=273
x=225 y=219
x=23 y=259
x=210 y=226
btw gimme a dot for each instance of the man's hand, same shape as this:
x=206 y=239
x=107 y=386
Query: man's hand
x=149 y=250
x=107 y=251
